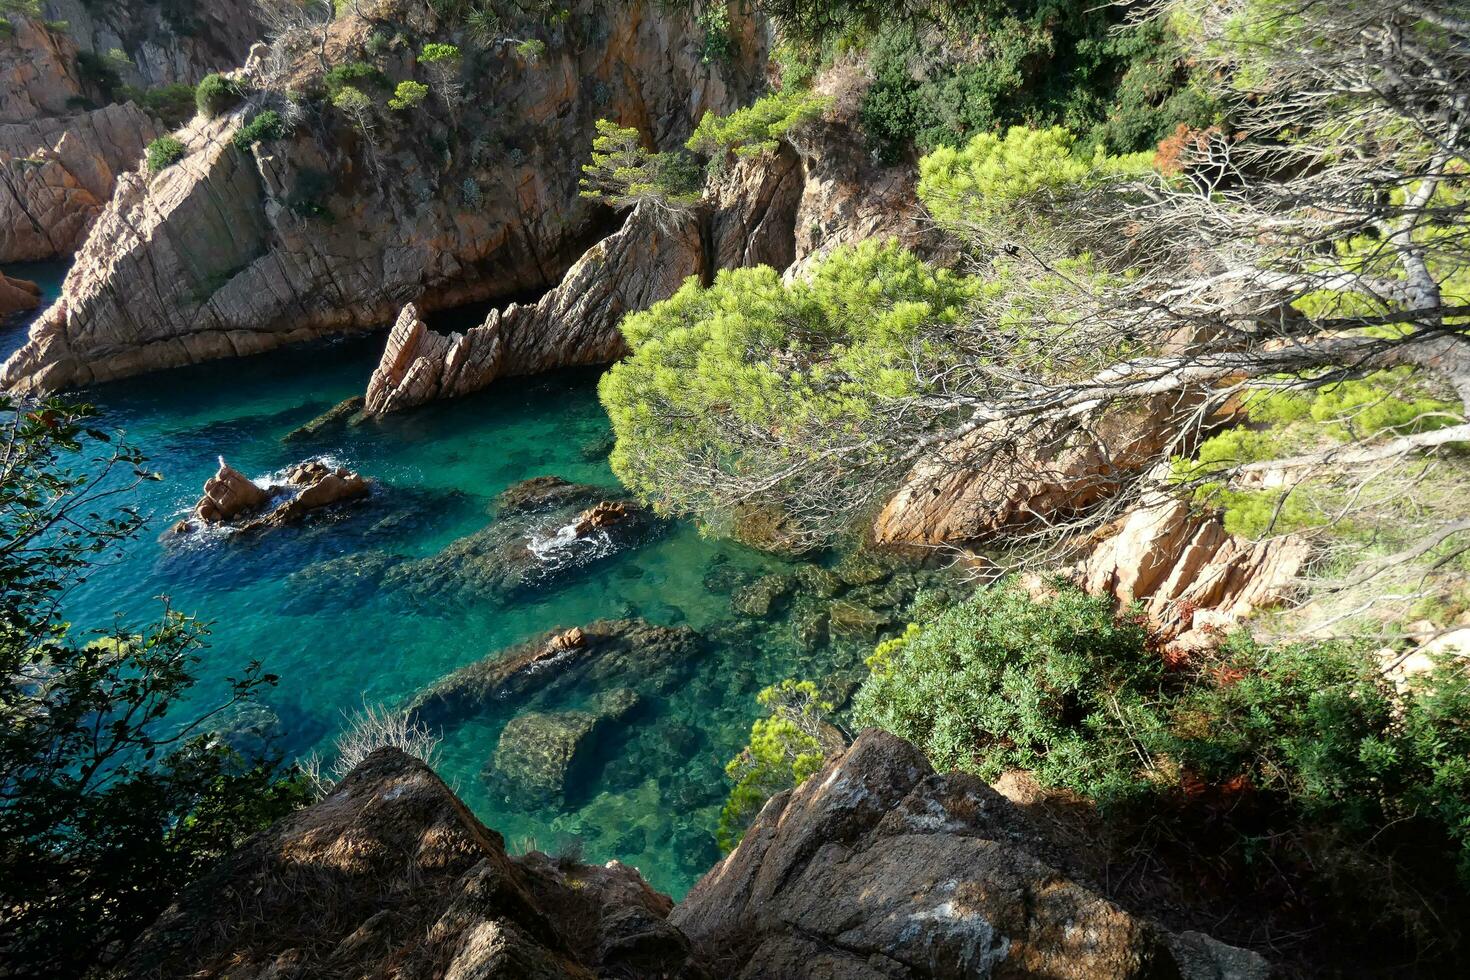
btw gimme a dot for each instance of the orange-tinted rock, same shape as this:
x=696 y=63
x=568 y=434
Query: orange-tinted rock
x=227 y=495
x=17 y=295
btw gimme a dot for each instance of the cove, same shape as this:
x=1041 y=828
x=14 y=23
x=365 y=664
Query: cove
x=652 y=791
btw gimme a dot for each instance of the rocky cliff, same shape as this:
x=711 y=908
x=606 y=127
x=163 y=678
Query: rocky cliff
x=336 y=227
x=876 y=867
x=59 y=160
x=163 y=41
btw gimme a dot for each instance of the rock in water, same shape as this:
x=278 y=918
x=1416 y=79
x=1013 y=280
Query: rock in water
x=626 y=653
x=232 y=498
x=227 y=495
x=543 y=757
x=544 y=534
x=333 y=418
x=17 y=295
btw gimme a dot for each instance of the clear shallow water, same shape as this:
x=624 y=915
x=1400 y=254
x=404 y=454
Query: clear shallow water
x=653 y=794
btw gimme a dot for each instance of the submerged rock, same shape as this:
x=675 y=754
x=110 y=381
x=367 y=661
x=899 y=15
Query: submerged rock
x=341 y=583
x=542 y=756
x=847 y=618
x=332 y=419
x=760 y=598
x=819 y=581
x=622 y=652
x=544 y=534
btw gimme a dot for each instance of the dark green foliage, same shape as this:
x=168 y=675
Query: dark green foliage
x=1001 y=682
x=1298 y=764
x=267 y=125
x=109 y=801
x=216 y=94
x=164 y=152
x=352 y=74
x=174 y=103
x=100 y=73
x=309 y=194
x=1044 y=62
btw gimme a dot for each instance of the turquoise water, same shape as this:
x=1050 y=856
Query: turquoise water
x=653 y=796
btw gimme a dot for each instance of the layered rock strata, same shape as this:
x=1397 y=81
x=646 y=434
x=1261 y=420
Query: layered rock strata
x=1193 y=578
x=17 y=295
x=233 y=251
x=575 y=323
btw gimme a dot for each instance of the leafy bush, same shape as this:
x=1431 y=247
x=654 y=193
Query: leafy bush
x=408 y=95
x=266 y=126
x=112 y=802
x=173 y=103
x=437 y=53
x=784 y=749
x=1060 y=687
x=215 y=94
x=353 y=73
x=758 y=127
x=713 y=18
x=1045 y=63
x=164 y=152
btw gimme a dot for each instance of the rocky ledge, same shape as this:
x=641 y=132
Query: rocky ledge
x=876 y=868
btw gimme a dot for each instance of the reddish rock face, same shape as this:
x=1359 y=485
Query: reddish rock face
x=227 y=495
x=230 y=497
x=17 y=295
x=210 y=259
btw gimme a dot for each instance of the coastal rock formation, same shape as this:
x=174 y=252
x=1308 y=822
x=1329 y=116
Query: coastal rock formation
x=543 y=540
x=877 y=867
x=58 y=163
x=627 y=653
x=963 y=494
x=575 y=323
x=233 y=251
x=227 y=495
x=391 y=875
x=17 y=295
x=232 y=498
x=56 y=175
x=1193 y=577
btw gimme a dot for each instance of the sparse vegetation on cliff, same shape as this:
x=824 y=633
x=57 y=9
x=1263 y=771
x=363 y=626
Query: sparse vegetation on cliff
x=164 y=152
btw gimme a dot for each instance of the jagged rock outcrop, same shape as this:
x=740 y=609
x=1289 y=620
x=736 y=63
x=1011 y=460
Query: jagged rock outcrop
x=876 y=867
x=58 y=161
x=1193 y=578
x=233 y=499
x=17 y=295
x=57 y=174
x=575 y=323
x=1001 y=478
x=232 y=251
x=390 y=875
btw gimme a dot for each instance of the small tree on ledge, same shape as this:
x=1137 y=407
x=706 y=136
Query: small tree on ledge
x=623 y=174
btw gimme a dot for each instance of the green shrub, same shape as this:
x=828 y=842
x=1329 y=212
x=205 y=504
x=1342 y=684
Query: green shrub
x=784 y=749
x=713 y=19
x=353 y=74
x=408 y=95
x=1063 y=689
x=110 y=806
x=164 y=152
x=215 y=94
x=1071 y=63
x=437 y=53
x=623 y=174
x=266 y=126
